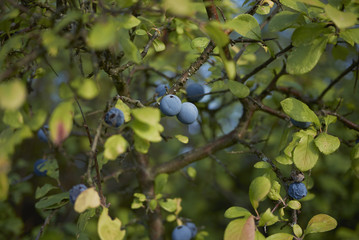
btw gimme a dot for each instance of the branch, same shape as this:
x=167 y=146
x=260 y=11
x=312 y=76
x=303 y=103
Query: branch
x=265 y=64
x=335 y=81
x=267 y=109
x=345 y=121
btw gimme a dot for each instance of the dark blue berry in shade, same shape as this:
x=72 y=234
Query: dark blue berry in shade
x=302 y=125
x=41 y=134
x=38 y=167
x=181 y=233
x=188 y=113
x=195 y=92
x=297 y=190
x=114 y=117
x=75 y=192
x=161 y=90
x=170 y=105
x=193 y=228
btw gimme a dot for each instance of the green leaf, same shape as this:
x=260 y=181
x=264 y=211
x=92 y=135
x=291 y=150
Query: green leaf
x=52 y=168
x=87 y=199
x=280 y=236
x=129 y=48
x=294 y=204
x=284 y=20
x=238 y=89
x=305 y=154
x=160 y=182
x=240 y=229
x=268 y=218
x=258 y=190
x=60 y=123
x=53 y=201
x=13 y=118
x=216 y=33
x=309 y=33
x=85 y=87
x=42 y=191
x=200 y=42
x=158 y=45
x=183 y=9
x=297 y=230
x=350 y=35
x=329 y=119
x=12 y=94
x=141 y=145
x=181 y=138
x=128 y=21
x=262 y=164
x=294 y=4
x=148 y=115
x=146 y=131
x=109 y=229
x=320 y=223
x=4 y=186
x=274 y=192
x=191 y=172
x=229 y=65
x=125 y=109
x=141 y=197
x=299 y=111
x=53 y=42
x=263 y=10
x=284 y=159
x=237 y=212
x=170 y=205
x=84 y=218
x=114 y=146
x=246 y=25
x=326 y=143
x=341 y=19
x=37 y=119
x=171 y=218
x=153 y=204
x=316 y=3
x=103 y=35
x=136 y=204
x=304 y=57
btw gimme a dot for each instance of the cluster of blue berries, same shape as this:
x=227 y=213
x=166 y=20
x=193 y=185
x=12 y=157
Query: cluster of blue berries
x=184 y=232
x=171 y=105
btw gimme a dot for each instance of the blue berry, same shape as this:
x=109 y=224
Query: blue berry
x=114 y=117
x=193 y=228
x=38 y=167
x=181 y=233
x=170 y=105
x=75 y=192
x=188 y=113
x=161 y=90
x=297 y=190
x=41 y=134
x=195 y=92
x=302 y=125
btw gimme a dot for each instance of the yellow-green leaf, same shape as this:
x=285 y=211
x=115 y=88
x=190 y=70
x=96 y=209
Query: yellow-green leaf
x=326 y=143
x=12 y=94
x=258 y=190
x=102 y=35
x=320 y=223
x=148 y=115
x=182 y=139
x=87 y=199
x=236 y=212
x=238 y=89
x=13 y=118
x=114 y=146
x=125 y=109
x=299 y=111
x=61 y=122
x=341 y=19
x=280 y=236
x=109 y=229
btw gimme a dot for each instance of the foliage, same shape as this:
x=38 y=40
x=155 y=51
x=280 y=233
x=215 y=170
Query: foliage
x=65 y=63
